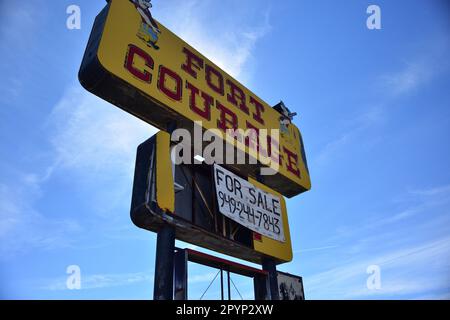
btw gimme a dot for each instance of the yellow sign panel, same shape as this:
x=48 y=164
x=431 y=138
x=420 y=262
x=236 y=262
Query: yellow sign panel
x=134 y=62
x=271 y=247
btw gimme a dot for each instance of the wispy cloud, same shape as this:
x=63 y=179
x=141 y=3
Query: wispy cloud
x=22 y=227
x=409 y=211
x=411 y=246
x=17 y=19
x=227 y=40
x=97 y=281
x=433 y=191
x=354 y=127
x=412 y=74
x=409 y=78
x=315 y=249
x=94 y=142
x=401 y=272
x=88 y=133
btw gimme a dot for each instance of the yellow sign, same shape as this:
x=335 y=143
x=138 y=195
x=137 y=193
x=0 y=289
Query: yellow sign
x=134 y=62
x=271 y=247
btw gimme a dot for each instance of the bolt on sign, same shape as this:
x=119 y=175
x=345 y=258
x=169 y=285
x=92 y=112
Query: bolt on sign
x=208 y=205
x=135 y=63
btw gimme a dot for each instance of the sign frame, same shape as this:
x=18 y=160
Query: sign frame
x=286 y=291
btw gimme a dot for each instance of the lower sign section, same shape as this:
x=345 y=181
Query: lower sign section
x=248 y=205
x=185 y=197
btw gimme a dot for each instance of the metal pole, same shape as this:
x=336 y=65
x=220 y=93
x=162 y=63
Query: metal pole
x=261 y=287
x=221 y=284
x=181 y=273
x=229 y=288
x=270 y=266
x=163 y=288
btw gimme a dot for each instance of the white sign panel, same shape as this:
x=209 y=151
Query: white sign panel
x=248 y=205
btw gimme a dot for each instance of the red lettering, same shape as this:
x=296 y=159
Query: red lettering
x=236 y=94
x=227 y=117
x=259 y=108
x=273 y=150
x=292 y=160
x=207 y=102
x=143 y=75
x=175 y=92
x=192 y=60
x=252 y=138
x=219 y=87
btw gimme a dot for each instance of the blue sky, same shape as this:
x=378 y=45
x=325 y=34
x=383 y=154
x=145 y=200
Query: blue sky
x=373 y=107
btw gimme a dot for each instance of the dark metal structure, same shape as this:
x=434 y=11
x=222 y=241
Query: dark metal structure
x=196 y=220
x=183 y=256
x=163 y=288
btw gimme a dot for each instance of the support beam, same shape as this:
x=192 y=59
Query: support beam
x=261 y=287
x=163 y=284
x=270 y=266
x=228 y=284
x=181 y=273
x=221 y=284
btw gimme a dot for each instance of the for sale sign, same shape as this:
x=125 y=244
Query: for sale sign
x=248 y=205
